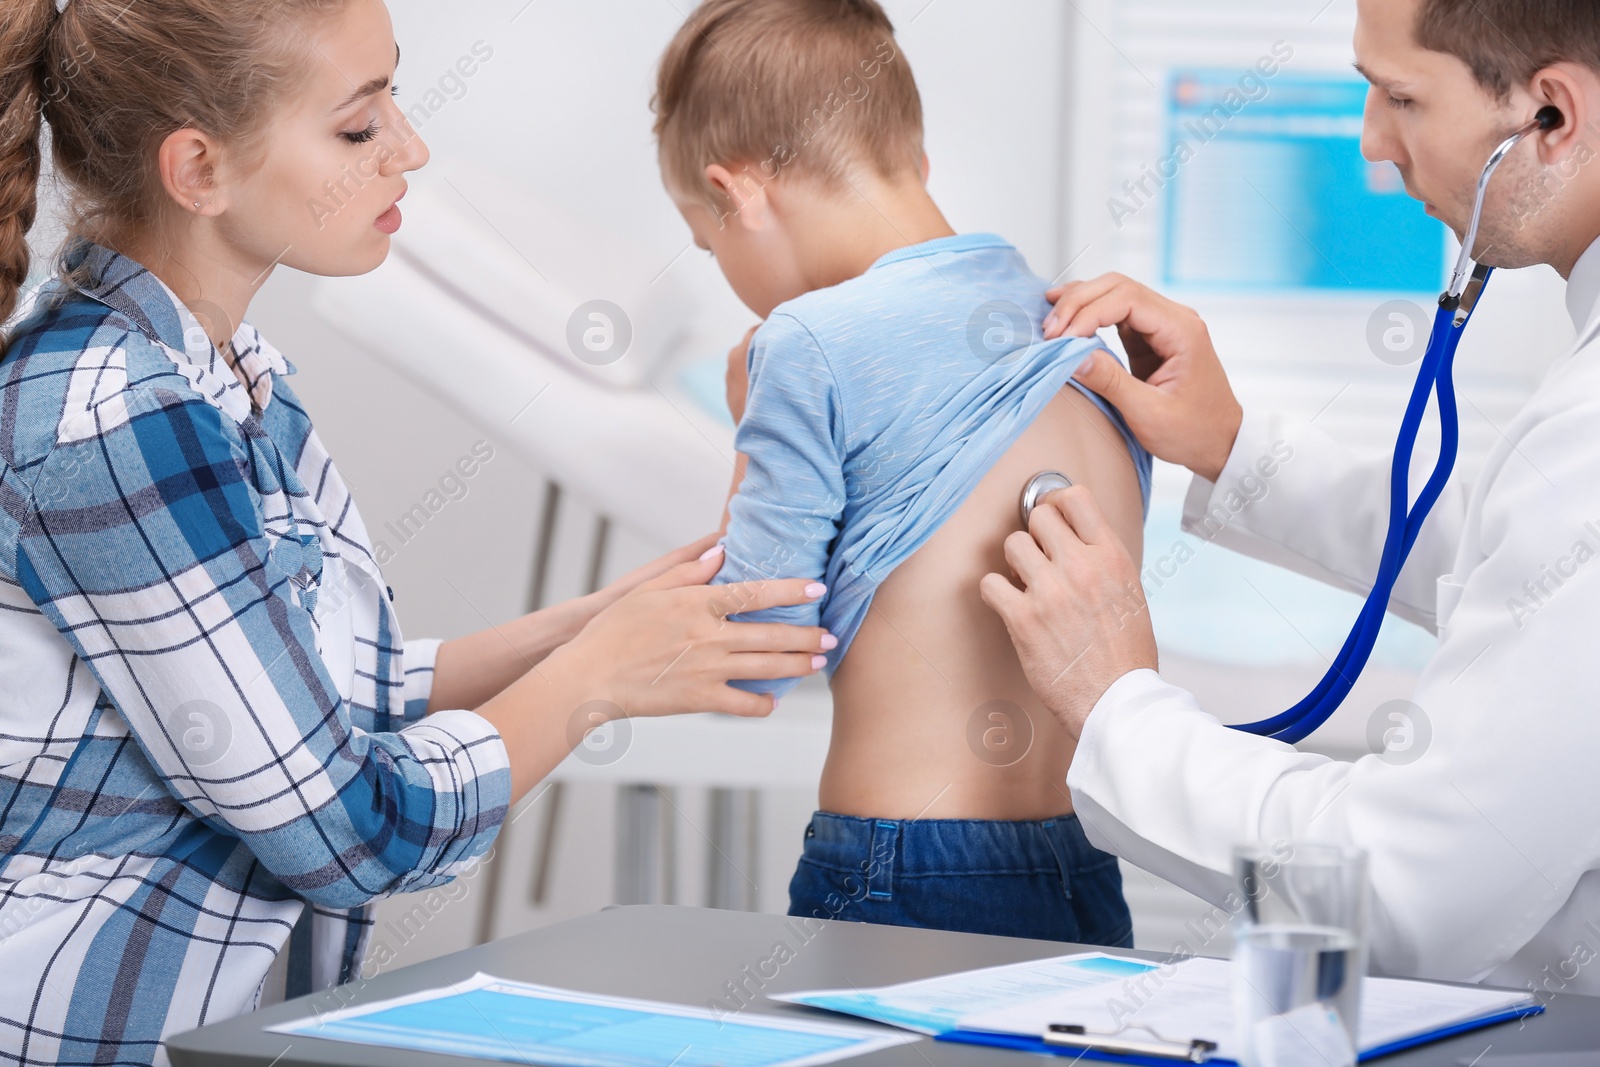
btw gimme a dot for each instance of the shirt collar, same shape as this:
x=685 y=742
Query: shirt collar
x=1583 y=289
x=126 y=287
x=961 y=242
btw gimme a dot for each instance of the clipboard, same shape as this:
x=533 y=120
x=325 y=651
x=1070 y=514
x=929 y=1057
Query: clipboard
x=1144 y=1048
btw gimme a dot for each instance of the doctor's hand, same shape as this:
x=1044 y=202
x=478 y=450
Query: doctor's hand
x=1177 y=401
x=1080 y=620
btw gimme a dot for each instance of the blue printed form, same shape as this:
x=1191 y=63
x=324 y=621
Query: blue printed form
x=494 y=1019
x=935 y=1005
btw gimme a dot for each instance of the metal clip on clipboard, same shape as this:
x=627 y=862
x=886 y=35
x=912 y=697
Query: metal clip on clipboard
x=1072 y=1036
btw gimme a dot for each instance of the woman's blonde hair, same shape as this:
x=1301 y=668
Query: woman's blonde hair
x=113 y=79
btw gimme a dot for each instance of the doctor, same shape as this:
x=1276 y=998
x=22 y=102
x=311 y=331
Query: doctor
x=1485 y=851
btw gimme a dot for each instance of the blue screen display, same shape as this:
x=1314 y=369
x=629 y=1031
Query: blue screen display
x=1265 y=188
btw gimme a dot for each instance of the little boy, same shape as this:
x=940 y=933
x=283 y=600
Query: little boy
x=897 y=401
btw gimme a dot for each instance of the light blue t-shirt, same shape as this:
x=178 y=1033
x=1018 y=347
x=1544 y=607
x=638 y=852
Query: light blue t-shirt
x=875 y=407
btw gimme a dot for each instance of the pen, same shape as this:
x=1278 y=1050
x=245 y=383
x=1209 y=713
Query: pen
x=1074 y=1036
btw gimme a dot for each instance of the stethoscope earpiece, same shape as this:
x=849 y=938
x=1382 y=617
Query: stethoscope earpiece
x=1549 y=117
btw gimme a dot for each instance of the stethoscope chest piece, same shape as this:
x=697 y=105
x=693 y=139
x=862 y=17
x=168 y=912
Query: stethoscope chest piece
x=1040 y=484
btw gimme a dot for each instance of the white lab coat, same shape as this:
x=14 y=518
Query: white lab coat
x=1485 y=851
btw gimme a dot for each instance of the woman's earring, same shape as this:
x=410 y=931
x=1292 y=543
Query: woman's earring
x=197 y=205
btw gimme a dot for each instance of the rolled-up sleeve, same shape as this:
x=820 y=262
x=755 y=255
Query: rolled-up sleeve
x=783 y=520
x=420 y=656
x=152 y=550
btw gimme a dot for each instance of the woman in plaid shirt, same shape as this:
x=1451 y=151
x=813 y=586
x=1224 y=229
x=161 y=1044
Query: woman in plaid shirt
x=209 y=717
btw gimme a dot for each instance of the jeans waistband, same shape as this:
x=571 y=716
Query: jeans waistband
x=913 y=847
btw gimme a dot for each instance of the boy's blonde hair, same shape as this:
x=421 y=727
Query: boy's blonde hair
x=813 y=87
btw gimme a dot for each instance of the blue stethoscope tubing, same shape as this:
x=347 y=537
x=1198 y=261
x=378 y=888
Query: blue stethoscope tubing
x=1435 y=378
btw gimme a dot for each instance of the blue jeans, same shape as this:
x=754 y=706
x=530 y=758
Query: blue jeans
x=1018 y=879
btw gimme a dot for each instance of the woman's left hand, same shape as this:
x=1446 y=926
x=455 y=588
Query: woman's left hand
x=598 y=601
x=1080 y=620
x=471 y=669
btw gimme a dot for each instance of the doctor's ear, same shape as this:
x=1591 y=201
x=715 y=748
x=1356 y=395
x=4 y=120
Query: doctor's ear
x=1574 y=90
x=745 y=194
x=188 y=161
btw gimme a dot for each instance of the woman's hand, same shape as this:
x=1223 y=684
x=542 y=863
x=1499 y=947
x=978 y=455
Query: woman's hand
x=668 y=647
x=578 y=613
x=1080 y=621
x=738 y=377
x=601 y=599
x=664 y=648
x=1177 y=401
x=471 y=669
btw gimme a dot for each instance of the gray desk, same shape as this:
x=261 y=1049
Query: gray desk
x=688 y=955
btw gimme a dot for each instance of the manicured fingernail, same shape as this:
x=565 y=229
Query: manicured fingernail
x=1085 y=367
x=815 y=589
x=829 y=642
x=714 y=550
x=818 y=662
x=1049 y=323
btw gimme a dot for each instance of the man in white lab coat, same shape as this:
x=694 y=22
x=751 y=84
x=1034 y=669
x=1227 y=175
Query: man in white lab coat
x=1485 y=850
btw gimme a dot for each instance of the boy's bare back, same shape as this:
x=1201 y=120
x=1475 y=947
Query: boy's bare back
x=933 y=718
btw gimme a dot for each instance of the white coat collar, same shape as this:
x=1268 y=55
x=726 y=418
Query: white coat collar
x=1583 y=290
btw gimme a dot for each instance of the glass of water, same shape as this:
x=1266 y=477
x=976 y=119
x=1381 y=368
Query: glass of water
x=1300 y=951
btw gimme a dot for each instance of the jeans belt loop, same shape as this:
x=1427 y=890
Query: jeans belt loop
x=881 y=860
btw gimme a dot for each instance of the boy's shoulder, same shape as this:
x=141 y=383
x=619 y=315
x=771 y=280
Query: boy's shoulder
x=921 y=289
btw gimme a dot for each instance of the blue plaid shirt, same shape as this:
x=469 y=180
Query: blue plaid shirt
x=208 y=717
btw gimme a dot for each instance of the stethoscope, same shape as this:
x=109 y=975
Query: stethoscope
x=1456 y=305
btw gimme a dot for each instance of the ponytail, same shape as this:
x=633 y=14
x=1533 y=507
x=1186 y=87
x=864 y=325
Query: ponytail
x=24 y=31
